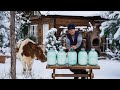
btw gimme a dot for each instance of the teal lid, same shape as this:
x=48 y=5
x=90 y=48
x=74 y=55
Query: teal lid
x=83 y=49
x=72 y=50
x=93 y=49
x=61 y=49
x=51 y=49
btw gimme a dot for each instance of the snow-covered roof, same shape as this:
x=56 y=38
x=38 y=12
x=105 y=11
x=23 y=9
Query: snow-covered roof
x=71 y=13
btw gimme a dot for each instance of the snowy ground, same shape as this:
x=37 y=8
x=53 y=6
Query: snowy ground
x=108 y=70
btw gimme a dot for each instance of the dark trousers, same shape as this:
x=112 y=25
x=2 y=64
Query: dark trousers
x=78 y=71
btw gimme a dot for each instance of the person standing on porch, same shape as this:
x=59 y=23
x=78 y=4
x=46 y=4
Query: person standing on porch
x=74 y=40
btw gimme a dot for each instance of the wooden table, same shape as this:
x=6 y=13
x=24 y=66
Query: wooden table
x=90 y=70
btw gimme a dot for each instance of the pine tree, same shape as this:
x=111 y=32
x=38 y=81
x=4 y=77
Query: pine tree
x=23 y=22
x=50 y=40
x=62 y=39
x=4 y=31
x=111 y=26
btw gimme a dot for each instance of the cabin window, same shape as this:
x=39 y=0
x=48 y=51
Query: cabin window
x=34 y=31
x=45 y=30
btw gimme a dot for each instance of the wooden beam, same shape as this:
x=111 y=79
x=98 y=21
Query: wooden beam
x=12 y=44
x=72 y=75
x=72 y=67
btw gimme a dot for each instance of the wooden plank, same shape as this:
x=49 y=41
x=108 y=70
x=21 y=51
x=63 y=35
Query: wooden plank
x=72 y=67
x=72 y=75
x=7 y=56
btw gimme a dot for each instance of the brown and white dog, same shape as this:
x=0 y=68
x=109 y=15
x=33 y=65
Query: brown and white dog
x=26 y=51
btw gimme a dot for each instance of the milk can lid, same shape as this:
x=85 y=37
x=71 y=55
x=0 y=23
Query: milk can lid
x=61 y=49
x=93 y=49
x=51 y=49
x=72 y=49
x=82 y=49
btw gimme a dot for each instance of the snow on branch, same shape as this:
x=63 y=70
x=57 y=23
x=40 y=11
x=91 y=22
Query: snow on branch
x=50 y=39
x=117 y=34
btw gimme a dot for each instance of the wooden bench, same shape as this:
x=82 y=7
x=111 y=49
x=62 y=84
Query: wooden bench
x=90 y=70
x=3 y=58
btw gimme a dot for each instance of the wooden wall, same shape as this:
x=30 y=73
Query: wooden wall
x=64 y=21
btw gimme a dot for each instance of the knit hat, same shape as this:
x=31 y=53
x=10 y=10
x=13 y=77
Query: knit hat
x=71 y=26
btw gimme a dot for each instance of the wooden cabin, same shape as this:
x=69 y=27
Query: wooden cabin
x=42 y=23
